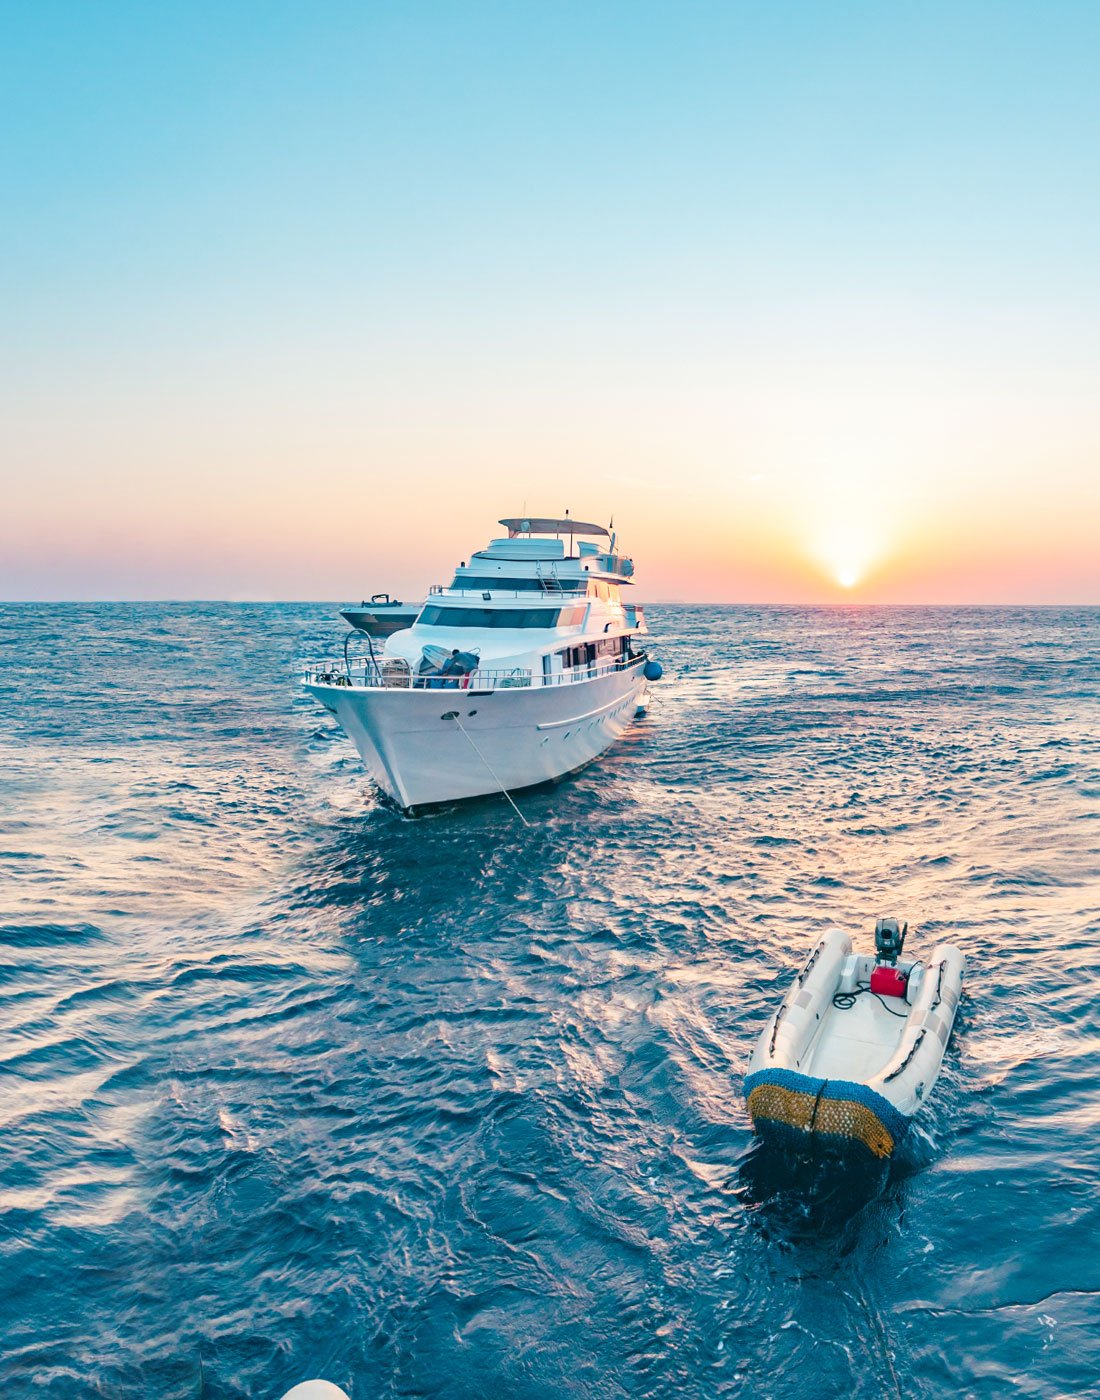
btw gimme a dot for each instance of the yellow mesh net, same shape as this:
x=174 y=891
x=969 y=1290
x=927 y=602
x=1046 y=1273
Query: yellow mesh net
x=835 y=1117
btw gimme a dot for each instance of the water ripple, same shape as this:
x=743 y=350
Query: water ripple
x=447 y=1108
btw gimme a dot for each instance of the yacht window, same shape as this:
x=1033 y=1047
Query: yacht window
x=589 y=653
x=477 y=583
x=583 y=655
x=435 y=616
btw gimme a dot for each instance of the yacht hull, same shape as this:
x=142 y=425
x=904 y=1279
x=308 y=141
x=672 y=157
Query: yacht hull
x=423 y=747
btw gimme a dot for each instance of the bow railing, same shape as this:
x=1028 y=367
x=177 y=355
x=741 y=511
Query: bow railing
x=394 y=673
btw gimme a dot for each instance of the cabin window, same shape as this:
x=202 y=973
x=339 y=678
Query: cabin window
x=477 y=583
x=434 y=615
x=605 y=650
x=578 y=656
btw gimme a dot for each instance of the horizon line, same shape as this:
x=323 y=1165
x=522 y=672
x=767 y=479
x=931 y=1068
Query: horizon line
x=678 y=603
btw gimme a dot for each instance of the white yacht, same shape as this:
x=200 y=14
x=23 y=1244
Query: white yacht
x=526 y=667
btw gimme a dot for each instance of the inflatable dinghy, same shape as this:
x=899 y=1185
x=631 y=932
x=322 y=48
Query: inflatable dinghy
x=856 y=1046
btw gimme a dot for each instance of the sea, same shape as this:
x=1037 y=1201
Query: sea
x=448 y=1106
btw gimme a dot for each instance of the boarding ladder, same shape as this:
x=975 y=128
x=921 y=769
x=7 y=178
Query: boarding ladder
x=549 y=581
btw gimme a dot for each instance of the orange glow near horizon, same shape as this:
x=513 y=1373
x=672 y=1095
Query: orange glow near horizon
x=822 y=478
x=792 y=543
x=281 y=548
x=284 y=510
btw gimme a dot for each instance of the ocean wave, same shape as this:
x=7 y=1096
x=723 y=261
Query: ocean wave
x=449 y=1107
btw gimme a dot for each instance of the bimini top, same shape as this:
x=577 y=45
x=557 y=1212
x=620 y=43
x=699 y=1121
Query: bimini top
x=537 y=525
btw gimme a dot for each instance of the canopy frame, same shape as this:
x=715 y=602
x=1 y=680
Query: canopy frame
x=547 y=525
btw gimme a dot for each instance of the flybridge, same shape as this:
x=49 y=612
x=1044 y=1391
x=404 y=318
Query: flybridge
x=536 y=541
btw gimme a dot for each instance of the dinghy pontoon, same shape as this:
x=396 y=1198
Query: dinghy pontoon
x=856 y=1046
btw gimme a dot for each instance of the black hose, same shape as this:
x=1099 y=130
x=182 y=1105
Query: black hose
x=843 y=1000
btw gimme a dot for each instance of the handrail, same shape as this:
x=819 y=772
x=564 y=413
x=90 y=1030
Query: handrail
x=532 y=595
x=394 y=673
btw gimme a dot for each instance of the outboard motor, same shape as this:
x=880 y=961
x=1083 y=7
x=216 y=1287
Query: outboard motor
x=886 y=980
x=889 y=940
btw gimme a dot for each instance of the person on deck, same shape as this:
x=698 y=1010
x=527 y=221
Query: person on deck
x=453 y=666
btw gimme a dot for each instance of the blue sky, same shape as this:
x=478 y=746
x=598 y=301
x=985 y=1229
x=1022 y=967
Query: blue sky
x=275 y=274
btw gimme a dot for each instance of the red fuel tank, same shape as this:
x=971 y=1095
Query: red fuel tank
x=888 y=981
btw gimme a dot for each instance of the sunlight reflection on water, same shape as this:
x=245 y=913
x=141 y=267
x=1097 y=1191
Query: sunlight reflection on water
x=440 y=1106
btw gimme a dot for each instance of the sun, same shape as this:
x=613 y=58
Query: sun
x=850 y=528
x=846 y=550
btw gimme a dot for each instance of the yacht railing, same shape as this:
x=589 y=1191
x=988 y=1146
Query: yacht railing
x=572 y=592
x=392 y=673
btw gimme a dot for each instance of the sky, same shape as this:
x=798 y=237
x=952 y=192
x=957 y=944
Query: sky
x=296 y=300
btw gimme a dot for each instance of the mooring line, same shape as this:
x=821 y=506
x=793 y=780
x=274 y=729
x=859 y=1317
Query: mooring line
x=492 y=774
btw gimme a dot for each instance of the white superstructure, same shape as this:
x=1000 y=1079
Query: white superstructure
x=525 y=667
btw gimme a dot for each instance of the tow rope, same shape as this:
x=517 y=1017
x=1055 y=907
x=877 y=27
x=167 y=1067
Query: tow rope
x=489 y=767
